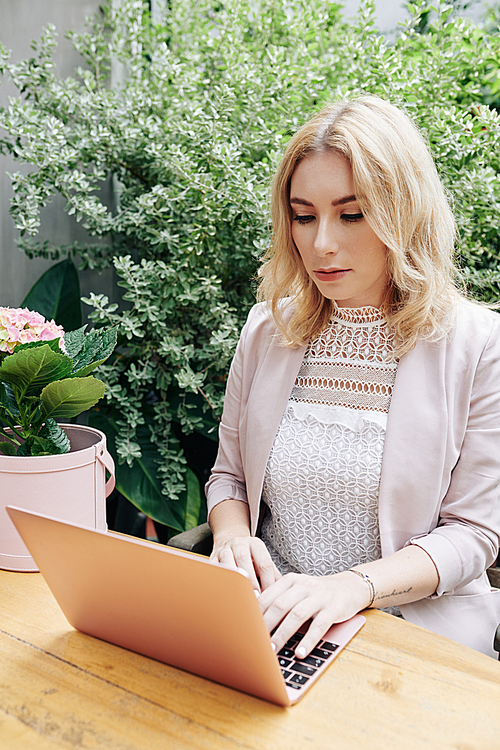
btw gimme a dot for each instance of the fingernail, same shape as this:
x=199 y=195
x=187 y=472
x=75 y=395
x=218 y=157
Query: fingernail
x=257 y=593
x=273 y=646
x=301 y=652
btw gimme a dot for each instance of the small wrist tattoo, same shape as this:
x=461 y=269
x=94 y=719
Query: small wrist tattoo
x=395 y=593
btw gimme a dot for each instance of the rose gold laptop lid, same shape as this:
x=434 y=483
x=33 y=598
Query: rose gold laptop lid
x=170 y=605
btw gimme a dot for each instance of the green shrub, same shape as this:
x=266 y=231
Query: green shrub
x=188 y=117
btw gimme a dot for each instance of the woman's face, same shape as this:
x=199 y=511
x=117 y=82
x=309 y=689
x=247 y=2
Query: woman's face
x=340 y=251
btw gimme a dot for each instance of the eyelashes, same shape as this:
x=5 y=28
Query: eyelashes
x=349 y=218
x=303 y=219
x=352 y=218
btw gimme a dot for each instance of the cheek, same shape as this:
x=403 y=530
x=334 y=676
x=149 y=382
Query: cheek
x=297 y=240
x=300 y=236
x=295 y=233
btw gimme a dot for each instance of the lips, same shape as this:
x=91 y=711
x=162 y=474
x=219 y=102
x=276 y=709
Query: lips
x=331 y=274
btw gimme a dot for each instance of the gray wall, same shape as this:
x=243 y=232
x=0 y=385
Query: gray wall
x=20 y=22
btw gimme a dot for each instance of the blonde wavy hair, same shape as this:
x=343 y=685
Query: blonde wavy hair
x=403 y=200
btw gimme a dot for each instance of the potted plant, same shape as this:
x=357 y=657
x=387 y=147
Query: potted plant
x=58 y=469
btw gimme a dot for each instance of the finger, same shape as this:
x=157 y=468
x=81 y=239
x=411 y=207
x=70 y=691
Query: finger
x=285 y=607
x=276 y=589
x=293 y=621
x=316 y=631
x=243 y=559
x=264 y=566
x=226 y=557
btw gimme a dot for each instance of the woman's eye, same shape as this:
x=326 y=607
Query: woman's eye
x=352 y=217
x=302 y=219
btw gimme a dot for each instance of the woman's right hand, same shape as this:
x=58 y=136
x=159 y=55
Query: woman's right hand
x=234 y=545
x=249 y=553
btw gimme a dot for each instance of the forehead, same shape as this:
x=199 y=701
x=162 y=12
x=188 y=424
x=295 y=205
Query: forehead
x=323 y=171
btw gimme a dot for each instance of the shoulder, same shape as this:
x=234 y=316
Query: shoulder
x=475 y=326
x=473 y=337
x=261 y=341
x=472 y=313
x=260 y=324
x=472 y=346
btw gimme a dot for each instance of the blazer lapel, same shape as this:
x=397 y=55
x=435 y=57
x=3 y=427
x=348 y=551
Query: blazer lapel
x=415 y=446
x=266 y=405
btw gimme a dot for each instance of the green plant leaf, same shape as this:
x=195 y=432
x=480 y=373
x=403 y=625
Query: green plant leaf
x=193 y=500
x=7 y=401
x=52 y=343
x=65 y=399
x=3 y=396
x=56 y=436
x=74 y=341
x=56 y=295
x=97 y=347
x=139 y=483
x=34 y=368
x=38 y=446
x=8 y=449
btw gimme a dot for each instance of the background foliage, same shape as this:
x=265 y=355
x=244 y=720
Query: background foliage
x=188 y=116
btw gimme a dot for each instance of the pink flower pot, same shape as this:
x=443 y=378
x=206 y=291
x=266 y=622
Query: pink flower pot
x=71 y=486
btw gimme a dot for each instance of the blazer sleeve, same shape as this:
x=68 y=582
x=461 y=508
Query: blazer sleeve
x=227 y=481
x=466 y=540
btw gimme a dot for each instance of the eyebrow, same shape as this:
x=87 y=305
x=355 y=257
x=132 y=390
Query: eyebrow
x=338 y=202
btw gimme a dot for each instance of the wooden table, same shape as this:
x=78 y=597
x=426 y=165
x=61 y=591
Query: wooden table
x=395 y=686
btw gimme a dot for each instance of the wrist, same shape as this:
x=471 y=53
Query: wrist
x=224 y=536
x=361 y=593
x=228 y=520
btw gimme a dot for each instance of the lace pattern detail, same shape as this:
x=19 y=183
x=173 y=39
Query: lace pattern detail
x=350 y=363
x=321 y=488
x=358 y=315
x=322 y=478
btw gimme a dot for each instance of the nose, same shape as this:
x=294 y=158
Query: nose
x=326 y=241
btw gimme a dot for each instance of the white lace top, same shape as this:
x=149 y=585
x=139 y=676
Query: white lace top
x=323 y=474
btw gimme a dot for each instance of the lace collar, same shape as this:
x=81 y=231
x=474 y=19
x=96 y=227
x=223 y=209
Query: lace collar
x=357 y=315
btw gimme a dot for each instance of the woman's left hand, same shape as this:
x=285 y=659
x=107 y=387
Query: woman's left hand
x=297 y=598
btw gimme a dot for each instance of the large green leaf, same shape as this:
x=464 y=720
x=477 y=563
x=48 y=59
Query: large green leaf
x=96 y=348
x=74 y=341
x=31 y=369
x=4 y=401
x=53 y=343
x=8 y=449
x=139 y=482
x=56 y=295
x=193 y=500
x=8 y=405
x=54 y=433
x=67 y=398
x=50 y=441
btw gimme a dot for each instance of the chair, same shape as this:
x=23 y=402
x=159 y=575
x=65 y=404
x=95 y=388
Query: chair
x=197 y=540
x=494 y=576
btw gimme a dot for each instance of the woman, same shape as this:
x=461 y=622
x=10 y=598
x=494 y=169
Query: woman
x=359 y=459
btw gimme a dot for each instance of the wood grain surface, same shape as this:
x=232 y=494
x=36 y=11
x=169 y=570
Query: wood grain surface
x=395 y=686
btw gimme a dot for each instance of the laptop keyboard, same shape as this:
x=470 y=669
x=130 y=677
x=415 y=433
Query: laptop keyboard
x=297 y=672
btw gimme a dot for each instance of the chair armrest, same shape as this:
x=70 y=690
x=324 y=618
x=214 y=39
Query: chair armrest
x=494 y=577
x=197 y=540
x=496 y=642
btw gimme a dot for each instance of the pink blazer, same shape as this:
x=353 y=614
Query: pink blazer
x=440 y=481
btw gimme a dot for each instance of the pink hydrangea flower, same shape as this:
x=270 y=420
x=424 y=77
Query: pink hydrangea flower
x=22 y=326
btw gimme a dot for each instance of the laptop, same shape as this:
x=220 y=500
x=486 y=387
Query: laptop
x=173 y=606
